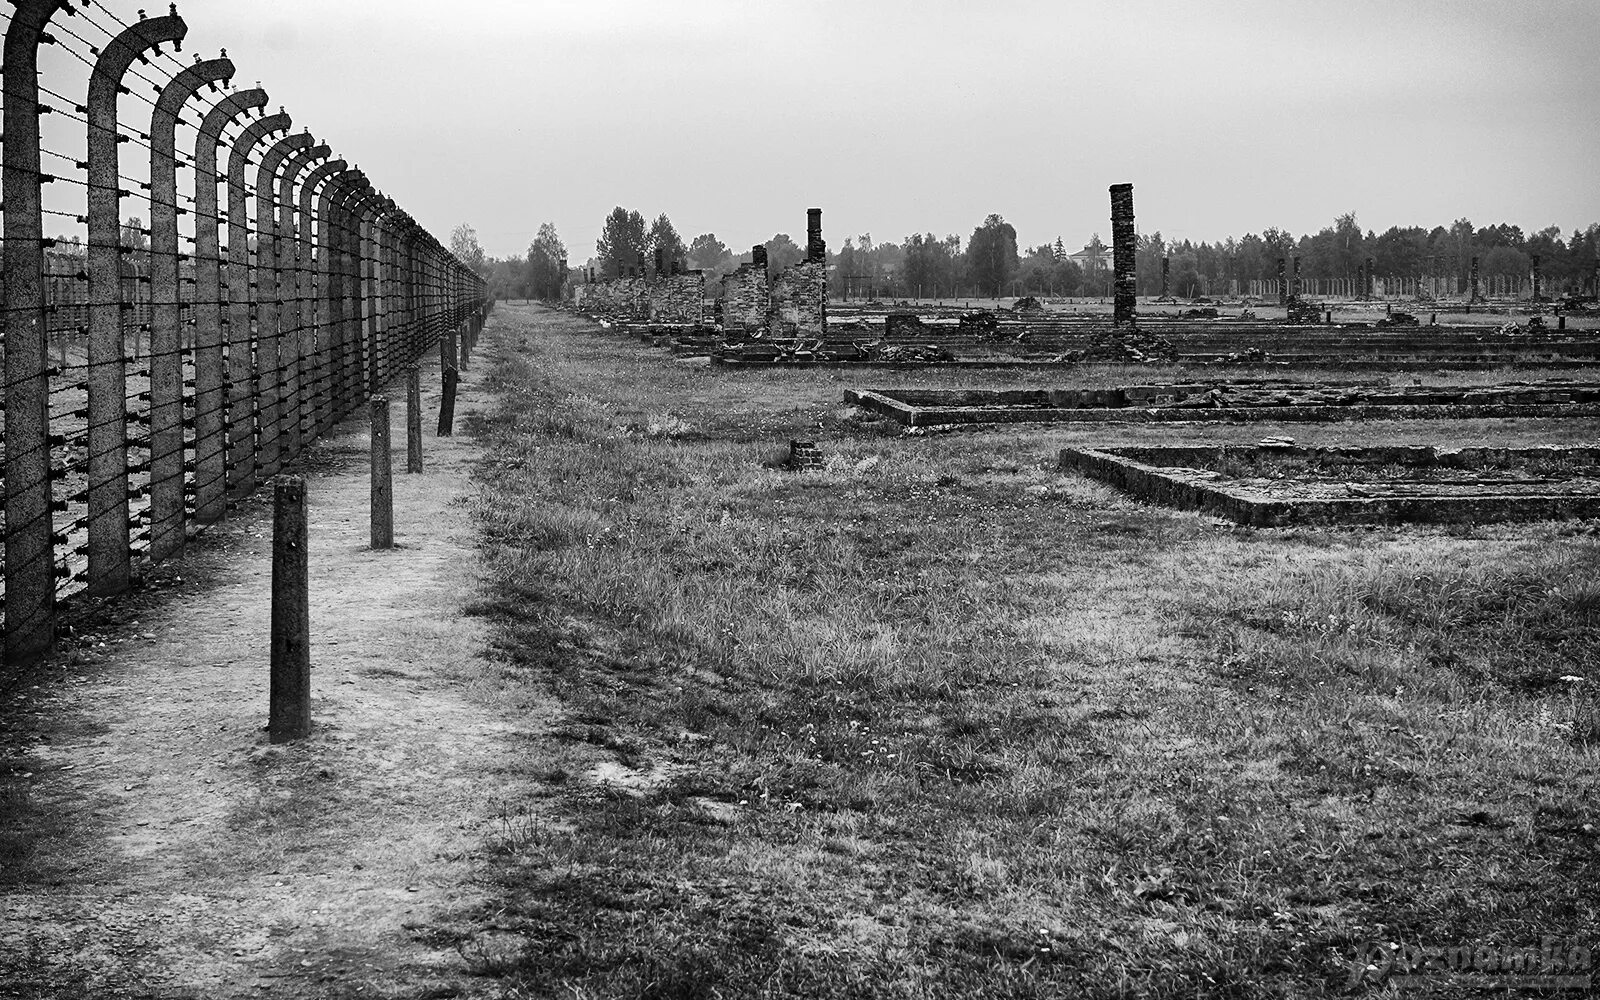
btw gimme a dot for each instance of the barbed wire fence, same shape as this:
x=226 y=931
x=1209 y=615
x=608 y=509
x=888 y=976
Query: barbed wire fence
x=166 y=349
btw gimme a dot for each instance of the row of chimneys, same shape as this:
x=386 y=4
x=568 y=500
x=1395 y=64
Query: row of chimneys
x=816 y=252
x=816 y=248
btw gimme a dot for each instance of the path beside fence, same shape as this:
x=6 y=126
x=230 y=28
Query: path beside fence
x=185 y=856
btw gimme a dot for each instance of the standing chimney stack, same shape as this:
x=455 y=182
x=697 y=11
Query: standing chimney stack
x=816 y=249
x=1124 y=253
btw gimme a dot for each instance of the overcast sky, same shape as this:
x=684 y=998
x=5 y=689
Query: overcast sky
x=899 y=116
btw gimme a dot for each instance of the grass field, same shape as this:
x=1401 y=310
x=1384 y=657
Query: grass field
x=938 y=720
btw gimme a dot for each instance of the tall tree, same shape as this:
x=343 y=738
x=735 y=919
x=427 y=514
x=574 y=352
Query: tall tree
x=133 y=234
x=931 y=265
x=464 y=244
x=664 y=237
x=622 y=243
x=545 y=254
x=782 y=252
x=710 y=254
x=992 y=255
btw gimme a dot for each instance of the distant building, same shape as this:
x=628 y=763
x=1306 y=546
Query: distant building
x=1095 y=256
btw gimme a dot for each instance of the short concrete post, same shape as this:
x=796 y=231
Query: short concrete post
x=382 y=481
x=414 y=418
x=289 y=705
x=447 y=405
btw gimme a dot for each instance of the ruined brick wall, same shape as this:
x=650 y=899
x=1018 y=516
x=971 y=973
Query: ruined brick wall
x=800 y=301
x=678 y=298
x=745 y=298
x=623 y=298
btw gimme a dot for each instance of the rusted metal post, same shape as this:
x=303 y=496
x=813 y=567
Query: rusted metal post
x=210 y=371
x=30 y=583
x=289 y=698
x=241 y=457
x=109 y=557
x=382 y=478
x=291 y=333
x=269 y=278
x=413 y=418
x=166 y=332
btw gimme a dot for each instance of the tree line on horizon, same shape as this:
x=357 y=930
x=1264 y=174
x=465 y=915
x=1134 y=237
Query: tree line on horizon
x=990 y=262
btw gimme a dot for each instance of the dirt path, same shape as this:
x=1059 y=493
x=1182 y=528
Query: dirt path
x=175 y=853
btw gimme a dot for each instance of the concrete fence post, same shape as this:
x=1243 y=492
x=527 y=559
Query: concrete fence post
x=293 y=258
x=413 y=418
x=289 y=697
x=242 y=297
x=382 y=479
x=30 y=576
x=210 y=361
x=110 y=564
x=326 y=181
x=447 y=405
x=269 y=284
x=167 y=531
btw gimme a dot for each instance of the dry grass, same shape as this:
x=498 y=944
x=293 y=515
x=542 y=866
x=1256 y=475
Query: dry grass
x=938 y=720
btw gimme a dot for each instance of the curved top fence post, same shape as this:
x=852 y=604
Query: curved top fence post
x=241 y=463
x=109 y=562
x=166 y=330
x=30 y=577
x=292 y=293
x=269 y=366
x=210 y=375
x=329 y=279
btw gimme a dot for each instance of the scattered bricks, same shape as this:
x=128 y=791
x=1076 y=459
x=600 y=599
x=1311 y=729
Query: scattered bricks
x=804 y=455
x=899 y=326
x=1123 y=254
x=1302 y=312
x=1131 y=346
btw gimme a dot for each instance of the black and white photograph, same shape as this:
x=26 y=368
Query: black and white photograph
x=715 y=499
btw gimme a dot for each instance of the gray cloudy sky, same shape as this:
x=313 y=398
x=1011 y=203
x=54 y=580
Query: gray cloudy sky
x=734 y=116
